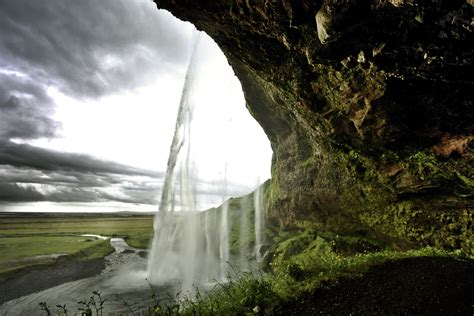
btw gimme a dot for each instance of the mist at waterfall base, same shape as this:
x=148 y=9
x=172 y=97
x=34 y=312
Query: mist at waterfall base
x=191 y=248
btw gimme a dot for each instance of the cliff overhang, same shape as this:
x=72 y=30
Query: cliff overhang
x=368 y=107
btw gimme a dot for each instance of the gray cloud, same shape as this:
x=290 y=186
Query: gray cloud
x=90 y=48
x=11 y=192
x=72 y=179
x=29 y=173
x=25 y=109
x=85 y=49
x=23 y=155
x=55 y=192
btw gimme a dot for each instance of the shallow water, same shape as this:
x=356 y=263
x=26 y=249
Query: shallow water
x=95 y=236
x=123 y=280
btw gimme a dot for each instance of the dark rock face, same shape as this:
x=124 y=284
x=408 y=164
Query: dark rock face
x=368 y=106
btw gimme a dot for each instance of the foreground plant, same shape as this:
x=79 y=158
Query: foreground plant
x=96 y=301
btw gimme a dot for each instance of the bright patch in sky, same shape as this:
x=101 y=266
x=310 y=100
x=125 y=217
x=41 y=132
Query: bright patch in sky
x=89 y=99
x=133 y=128
x=136 y=128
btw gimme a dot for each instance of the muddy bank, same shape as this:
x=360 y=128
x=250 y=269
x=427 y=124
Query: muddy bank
x=40 y=278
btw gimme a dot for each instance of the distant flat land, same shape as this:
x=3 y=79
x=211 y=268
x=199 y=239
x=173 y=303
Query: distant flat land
x=32 y=239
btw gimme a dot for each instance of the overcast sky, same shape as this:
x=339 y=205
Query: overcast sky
x=89 y=92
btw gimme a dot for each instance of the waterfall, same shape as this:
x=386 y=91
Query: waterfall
x=244 y=233
x=224 y=233
x=259 y=222
x=190 y=247
x=174 y=253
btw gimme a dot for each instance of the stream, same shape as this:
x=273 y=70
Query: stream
x=121 y=283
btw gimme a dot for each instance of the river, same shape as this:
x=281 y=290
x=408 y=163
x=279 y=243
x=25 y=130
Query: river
x=122 y=283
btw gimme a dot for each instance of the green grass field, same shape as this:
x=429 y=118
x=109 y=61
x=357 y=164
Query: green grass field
x=35 y=239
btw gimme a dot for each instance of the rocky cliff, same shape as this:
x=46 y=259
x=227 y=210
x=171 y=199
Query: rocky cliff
x=368 y=107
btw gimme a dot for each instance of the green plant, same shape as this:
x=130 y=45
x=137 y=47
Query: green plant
x=61 y=310
x=44 y=307
x=96 y=301
x=126 y=304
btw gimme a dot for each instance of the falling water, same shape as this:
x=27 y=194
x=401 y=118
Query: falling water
x=174 y=253
x=244 y=233
x=259 y=222
x=192 y=247
x=224 y=233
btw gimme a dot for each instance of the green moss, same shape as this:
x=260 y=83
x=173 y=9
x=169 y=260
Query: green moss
x=291 y=246
x=304 y=262
x=319 y=264
x=358 y=242
x=466 y=183
x=97 y=251
x=241 y=219
x=423 y=165
x=348 y=93
x=363 y=169
x=273 y=191
x=422 y=216
x=405 y=199
x=410 y=224
x=249 y=294
x=387 y=157
x=140 y=240
x=453 y=175
x=418 y=215
x=241 y=212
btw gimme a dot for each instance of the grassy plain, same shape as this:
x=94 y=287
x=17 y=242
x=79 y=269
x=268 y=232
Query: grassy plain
x=36 y=239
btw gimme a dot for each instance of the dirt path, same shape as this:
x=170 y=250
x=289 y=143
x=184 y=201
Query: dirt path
x=416 y=286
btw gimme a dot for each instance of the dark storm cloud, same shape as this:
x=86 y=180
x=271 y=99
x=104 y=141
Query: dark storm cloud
x=85 y=49
x=28 y=173
x=11 y=192
x=25 y=109
x=23 y=155
x=55 y=192
x=90 y=48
